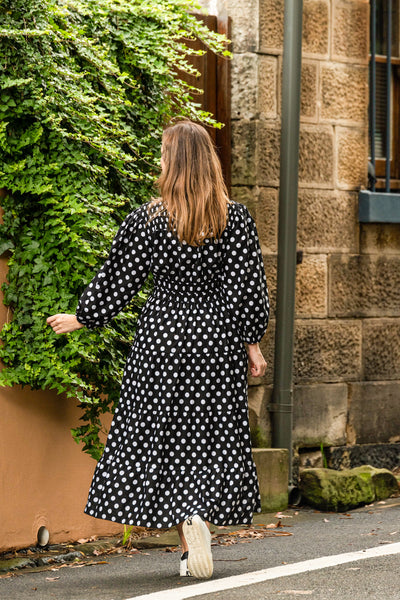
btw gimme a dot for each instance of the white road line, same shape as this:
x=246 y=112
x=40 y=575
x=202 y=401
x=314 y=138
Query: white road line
x=227 y=583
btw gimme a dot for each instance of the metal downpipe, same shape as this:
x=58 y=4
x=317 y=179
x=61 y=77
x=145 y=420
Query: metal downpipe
x=282 y=396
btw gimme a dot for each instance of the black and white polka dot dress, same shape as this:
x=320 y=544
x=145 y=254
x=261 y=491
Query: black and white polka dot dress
x=179 y=442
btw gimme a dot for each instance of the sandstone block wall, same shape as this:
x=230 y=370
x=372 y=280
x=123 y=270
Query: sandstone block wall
x=347 y=328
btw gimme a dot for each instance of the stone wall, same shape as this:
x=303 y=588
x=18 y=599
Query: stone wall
x=347 y=333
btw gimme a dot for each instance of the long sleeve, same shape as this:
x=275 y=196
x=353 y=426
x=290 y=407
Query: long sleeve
x=121 y=276
x=244 y=280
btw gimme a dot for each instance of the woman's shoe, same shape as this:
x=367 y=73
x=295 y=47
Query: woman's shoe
x=183 y=568
x=198 y=538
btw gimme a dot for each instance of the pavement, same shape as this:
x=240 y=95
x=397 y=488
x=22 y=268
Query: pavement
x=286 y=556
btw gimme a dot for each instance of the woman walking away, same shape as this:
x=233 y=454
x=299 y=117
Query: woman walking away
x=178 y=451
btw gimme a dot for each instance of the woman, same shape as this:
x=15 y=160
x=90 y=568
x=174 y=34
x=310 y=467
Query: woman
x=178 y=451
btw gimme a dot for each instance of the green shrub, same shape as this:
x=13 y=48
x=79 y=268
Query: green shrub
x=86 y=87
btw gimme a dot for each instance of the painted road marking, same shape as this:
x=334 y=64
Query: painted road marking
x=236 y=581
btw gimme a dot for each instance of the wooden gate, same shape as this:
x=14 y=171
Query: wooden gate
x=215 y=80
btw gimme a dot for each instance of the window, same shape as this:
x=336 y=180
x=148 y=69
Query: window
x=384 y=106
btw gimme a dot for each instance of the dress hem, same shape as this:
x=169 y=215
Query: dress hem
x=138 y=524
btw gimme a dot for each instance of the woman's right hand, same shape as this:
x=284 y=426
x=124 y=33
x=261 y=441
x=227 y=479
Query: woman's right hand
x=257 y=362
x=64 y=323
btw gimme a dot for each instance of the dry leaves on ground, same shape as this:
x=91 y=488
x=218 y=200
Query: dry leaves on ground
x=249 y=533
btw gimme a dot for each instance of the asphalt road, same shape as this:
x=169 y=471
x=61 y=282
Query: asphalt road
x=313 y=535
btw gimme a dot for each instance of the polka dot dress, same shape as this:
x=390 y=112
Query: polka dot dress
x=179 y=442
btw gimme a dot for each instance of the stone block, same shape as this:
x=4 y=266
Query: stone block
x=272 y=466
x=244 y=86
x=244 y=135
x=327 y=221
x=311 y=459
x=350 y=30
x=266 y=215
x=374 y=415
x=326 y=489
x=271 y=13
x=364 y=285
x=244 y=34
x=316 y=156
x=259 y=415
x=268 y=155
x=320 y=415
x=381 y=349
x=308 y=106
x=254 y=86
x=380 y=238
x=316 y=27
x=312 y=286
x=327 y=351
x=344 y=92
x=382 y=456
x=352 y=157
x=383 y=481
x=267 y=87
x=247 y=196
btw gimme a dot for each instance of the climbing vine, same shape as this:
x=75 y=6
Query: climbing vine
x=86 y=88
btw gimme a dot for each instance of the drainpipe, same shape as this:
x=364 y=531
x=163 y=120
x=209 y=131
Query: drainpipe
x=282 y=396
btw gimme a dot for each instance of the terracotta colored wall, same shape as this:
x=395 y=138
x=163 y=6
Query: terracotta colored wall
x=45 y=476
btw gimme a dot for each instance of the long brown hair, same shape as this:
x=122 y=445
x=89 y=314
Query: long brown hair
x=193 y=192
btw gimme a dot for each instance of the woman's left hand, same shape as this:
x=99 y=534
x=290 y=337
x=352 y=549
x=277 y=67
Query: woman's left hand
x=64 y=323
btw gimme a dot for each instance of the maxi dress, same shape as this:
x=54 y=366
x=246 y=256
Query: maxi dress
x=179 y=442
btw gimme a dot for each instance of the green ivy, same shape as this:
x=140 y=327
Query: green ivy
x=86 y=88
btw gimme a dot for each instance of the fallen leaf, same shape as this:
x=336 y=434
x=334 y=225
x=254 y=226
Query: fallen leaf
x=52 y=578
x=381 y=502
x=393 y=533
x=282 y=516
x=326 y=520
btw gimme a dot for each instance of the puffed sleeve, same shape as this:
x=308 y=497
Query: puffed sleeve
x=244 y=278
x=121 y=276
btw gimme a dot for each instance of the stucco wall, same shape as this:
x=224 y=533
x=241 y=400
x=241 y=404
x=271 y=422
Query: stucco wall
x=45 y=476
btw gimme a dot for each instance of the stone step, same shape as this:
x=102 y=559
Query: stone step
x=273 y=476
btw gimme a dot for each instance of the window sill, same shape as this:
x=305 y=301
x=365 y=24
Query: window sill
x=378 y=207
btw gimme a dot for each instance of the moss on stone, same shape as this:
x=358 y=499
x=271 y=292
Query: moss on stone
x=339 y=491
x=258 y=438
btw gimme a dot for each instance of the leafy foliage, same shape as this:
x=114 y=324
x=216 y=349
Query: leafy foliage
x=86 y=87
